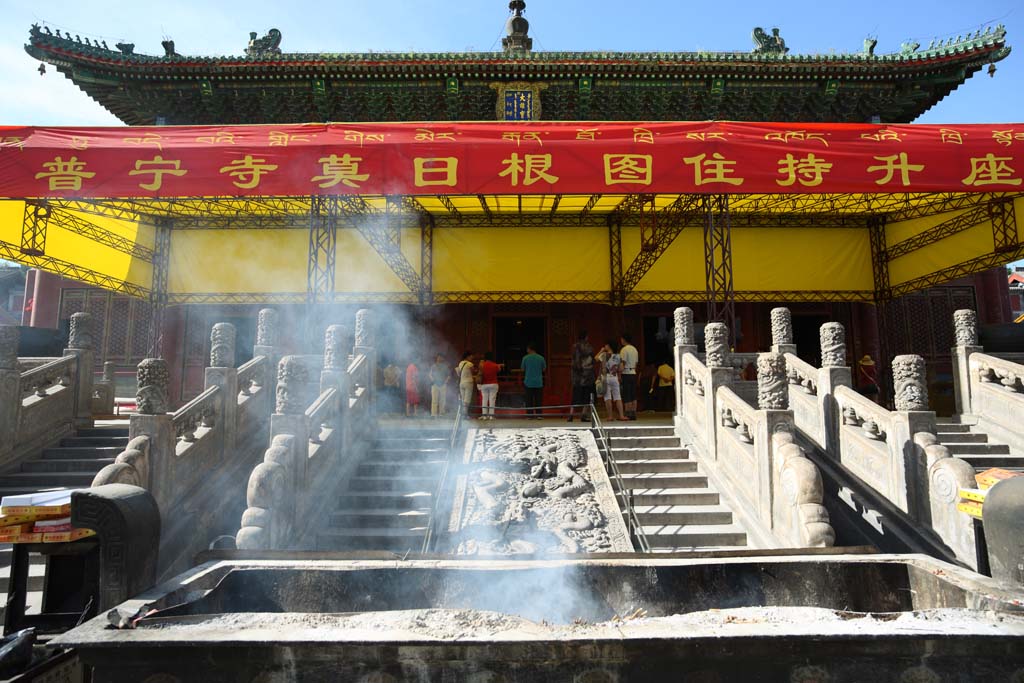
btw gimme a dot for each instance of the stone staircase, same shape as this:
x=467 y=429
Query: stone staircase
x=676 y=506
x=387 y=504
x=966 y=441
x=71 y=465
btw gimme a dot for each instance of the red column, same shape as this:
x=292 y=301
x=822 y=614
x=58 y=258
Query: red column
x=45 y=300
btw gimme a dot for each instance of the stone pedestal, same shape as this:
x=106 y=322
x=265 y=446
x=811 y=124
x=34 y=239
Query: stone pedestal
x=828 y=380
x=162 y=455
x=83 y=386
x=961 y=356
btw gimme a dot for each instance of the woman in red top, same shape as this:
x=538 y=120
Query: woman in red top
x=412 y=390
x=488 y=385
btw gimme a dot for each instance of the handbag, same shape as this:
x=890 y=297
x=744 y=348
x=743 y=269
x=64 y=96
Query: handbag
x=599 y=386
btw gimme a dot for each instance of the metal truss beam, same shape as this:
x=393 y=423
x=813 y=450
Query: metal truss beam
x=450 y=207
x=266 y=298
x=426 y=259
x=1004 y=226
x=618 y=293
x=975 y=265
x=12 y=252
x=376 y=229
x=879 y=258
x=922 y=205
x=520 y=297
x=483 y=205
x=947 y=228
x=638 y=297
x=158 y=296
x=721 y=295
x=72 y=223
x=588 y=208
x=33 y=228
x=669 y=222
x=323 y=246
x=555 y=202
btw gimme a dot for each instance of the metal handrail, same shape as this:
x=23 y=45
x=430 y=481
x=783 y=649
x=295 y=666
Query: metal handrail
x=604 y=444
x=428 y=538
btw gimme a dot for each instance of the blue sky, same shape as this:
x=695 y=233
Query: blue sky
x=221 y=27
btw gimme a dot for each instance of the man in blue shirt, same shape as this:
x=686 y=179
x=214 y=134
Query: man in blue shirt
x=533 y=366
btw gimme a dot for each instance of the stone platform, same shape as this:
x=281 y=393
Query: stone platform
x=533 y=492
x=841 y=619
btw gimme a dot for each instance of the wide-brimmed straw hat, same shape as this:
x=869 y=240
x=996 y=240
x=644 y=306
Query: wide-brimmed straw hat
x=866 y=360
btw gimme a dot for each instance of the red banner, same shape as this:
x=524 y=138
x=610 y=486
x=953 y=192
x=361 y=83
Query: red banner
x=508 y=158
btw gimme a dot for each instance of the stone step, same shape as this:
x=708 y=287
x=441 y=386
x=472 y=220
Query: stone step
x=629 y=442
x=694 y=535
x=675 y=453
x=81 y=453
x=984 y=462
x=962 y=437
x=36 y=577
x=960 y=449
x=951 y=428
x=677 y=496
x=409 y=452
x=403 y=442
x=430 y=468
x=41 y=480
x=380 y=517
x=638 y=431
x=660 y=515
x=385 y=483
x=396 y=540
x=102 y=431
x=664 y=480
x=69 y=465
x=22 y=489
x=93 y=441
x=639 y=466
x=362 y=500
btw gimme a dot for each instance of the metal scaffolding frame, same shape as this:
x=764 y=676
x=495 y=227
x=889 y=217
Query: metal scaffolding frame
x=33 y=228
x=158 y=297
x=426 y=259
x=720 y=293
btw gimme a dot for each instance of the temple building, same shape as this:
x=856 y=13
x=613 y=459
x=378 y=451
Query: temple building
x=554 y=264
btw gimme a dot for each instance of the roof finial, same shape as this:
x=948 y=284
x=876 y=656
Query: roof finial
x=517 y=29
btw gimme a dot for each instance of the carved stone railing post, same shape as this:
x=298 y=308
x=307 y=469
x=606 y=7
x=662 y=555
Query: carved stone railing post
x=267 y=345
x=782 y=331
x=154 y=421
x=365 y=344
x=80 y=345
x=224 y=374
x=289 y=419
x=965 y=329
x=685 y=342
x=910 y=417
x=772 y=388
x=716 y=359
x=10 y=388
x=834 y=372
x=335 y=372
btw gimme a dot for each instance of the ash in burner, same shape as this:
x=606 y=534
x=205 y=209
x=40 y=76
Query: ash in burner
x=532 y=492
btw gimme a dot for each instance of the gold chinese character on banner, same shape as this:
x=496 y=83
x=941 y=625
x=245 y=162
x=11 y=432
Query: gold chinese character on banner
x=991 y=170
x=644 y=136
x=713 y=170
x=884 y=135
x=533 y=168
x=587 y=134
x=809 y=171
x=248 y=171
x=65 y=175
x=628 y=169
x=798 y=135
x=517 y=137
x=13 y=142
x=344 y=170
x=147 y=139
x=221 y=138
x=427 y=135
x=704 y=137
x=443 y=171
x=363 y=138
x=951 y=137
x=79 y=143
x=278 y=138
x=1006 y=137
x=897 y=163
x=158 y=167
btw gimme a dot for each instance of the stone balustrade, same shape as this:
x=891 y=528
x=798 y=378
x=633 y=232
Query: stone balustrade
x=744 y=443
x=43 y=400
x=996 y=396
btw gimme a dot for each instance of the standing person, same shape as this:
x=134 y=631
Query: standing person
x=867 y=378
x=630 y=358
x=392 y=388
x=488 y=386
x=440 y=373
x=464 y=371
x=665 y=378
x=611 y=370
x=533 y=366
x=582 y=375
x=412 y=390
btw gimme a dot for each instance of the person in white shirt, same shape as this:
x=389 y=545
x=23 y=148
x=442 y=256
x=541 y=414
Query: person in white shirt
x=630 y=358
x=465 y=372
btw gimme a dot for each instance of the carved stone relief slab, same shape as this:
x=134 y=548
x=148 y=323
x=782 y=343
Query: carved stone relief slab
x=534 y=492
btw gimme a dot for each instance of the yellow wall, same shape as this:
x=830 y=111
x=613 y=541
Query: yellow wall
x=238 y=261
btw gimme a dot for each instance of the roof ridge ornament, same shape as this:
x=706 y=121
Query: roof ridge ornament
x=517 y=29
x=269 y=44
x=769 y=44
